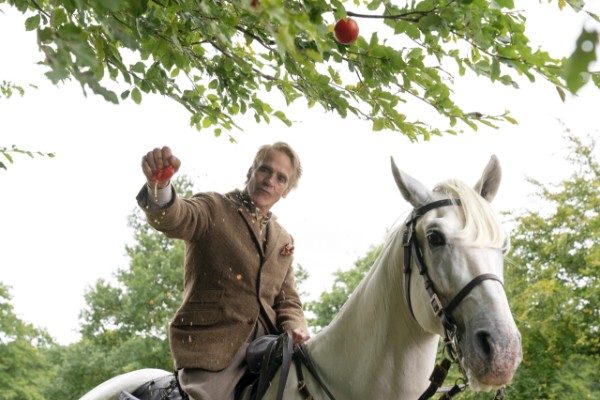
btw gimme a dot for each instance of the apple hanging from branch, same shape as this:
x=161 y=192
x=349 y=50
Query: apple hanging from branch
x=346 y=31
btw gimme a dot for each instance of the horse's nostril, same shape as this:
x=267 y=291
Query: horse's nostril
x=483 y=339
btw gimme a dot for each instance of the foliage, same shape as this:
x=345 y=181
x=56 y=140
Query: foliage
x=329 y=303
x=24 y=371
x=8 y=152
x=554 y=286
x=7 y=89
x=301 y=275
x=219 y=58
x=582 y=58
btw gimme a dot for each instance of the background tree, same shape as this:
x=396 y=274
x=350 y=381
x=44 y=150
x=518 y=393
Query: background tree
x=24 y=369
x=218 y=59
x=553 y=283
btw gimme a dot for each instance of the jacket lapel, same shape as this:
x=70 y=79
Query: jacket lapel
x=247 y=211
x=273 y=235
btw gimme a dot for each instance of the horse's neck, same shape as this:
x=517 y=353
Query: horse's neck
x=374 y=348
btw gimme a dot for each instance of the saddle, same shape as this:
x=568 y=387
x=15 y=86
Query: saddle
x=164 y=388
x=265 y=356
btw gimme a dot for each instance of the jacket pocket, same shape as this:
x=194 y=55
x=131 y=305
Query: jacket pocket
x=205 y=298
x=204 y=308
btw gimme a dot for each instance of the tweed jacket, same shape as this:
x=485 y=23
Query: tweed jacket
x=230 y=277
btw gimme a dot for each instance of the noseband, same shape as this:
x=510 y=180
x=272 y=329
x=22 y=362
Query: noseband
x=444 y=313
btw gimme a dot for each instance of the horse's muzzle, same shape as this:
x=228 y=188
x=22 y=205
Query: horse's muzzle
x=492 y=357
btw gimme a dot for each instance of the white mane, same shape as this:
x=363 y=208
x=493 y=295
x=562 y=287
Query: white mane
x=481 y=222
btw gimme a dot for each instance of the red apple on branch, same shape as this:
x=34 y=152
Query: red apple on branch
x=346 y=31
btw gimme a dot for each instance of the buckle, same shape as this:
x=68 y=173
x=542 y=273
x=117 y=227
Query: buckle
x=436 y=304
x=438 y=376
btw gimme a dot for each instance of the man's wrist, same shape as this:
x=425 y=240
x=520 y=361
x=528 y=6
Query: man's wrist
x=160 y=195
x=158 y=185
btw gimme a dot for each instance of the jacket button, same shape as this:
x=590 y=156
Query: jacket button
x=250 y=321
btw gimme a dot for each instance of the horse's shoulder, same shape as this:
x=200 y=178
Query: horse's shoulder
x=129 y=381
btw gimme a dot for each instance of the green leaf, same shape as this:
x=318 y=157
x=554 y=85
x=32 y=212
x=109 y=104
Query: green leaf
x=430 y=22
x=576 y=69
x=283 y=118
x=32 y=23
x=509 y=4
x=136 y=95
x=561 y=93
x=8 y=157
x=378 y=124
x=495 y=70
x=139 y=67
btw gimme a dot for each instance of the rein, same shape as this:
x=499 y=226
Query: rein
x=270 y=353
x=444 y=313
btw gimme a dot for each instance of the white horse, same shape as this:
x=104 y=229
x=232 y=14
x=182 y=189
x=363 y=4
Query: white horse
x=440 y=274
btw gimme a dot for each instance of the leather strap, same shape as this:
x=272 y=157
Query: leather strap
x=302 y=354
x=437 y=379
x=288 y=351
x=301 y=383
x=470 y=286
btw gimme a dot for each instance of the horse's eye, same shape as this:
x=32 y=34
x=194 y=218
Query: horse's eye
x=435 y=239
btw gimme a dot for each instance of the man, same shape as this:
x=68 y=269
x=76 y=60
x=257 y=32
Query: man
x=239 y=282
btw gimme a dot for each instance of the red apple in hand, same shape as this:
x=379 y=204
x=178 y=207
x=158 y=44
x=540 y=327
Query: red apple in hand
x=346 y=31
x=164 y=173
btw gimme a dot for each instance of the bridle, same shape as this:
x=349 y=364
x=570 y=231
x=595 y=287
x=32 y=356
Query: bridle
x=444 y=313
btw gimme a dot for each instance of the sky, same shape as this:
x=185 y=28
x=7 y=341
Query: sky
x=64 y=219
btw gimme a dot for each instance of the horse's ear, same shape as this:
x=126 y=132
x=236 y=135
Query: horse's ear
x=412 y=190
x=488 y=184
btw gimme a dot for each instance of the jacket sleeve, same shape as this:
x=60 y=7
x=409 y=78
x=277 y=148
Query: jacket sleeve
x=288 y=305
x=183 y=219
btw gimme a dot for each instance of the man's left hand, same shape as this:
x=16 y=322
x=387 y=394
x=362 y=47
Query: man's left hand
x=300 y=336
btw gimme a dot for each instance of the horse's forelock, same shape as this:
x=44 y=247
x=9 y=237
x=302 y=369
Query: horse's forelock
x=480 y=220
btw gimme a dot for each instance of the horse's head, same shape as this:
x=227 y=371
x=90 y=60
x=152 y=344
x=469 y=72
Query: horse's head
x=453 y=277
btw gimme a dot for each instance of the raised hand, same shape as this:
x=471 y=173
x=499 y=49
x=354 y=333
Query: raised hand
x=159 y=165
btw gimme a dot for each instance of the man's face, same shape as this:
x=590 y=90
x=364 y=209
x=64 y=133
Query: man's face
x=270 y=181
